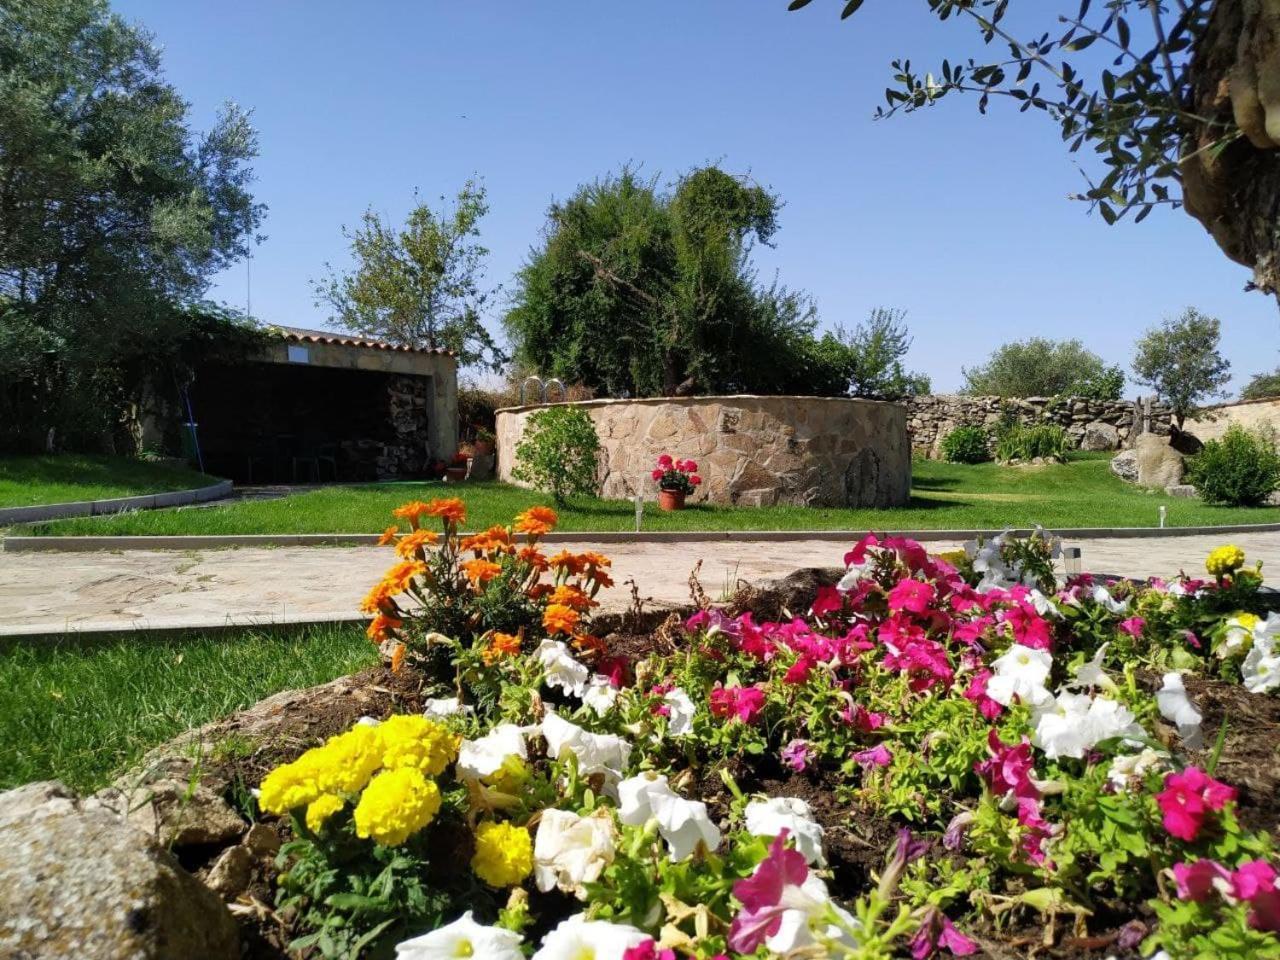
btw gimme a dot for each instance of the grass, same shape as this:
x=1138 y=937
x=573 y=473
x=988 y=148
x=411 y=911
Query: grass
x=82 y=711
x=63 y=478
x=1079 y=493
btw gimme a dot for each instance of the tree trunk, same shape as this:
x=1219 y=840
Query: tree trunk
x=1235 y=81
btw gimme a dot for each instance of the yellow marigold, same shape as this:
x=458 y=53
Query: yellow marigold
x=504 y=854
x=321 y=809
x=480 y=571
x=451 y=510
x=536 y=521
x=349 y=760
x=414 y=741
x=379 y=599
x=400 y=577
x=381 y=626
x=1224 y=560
x=411 y=511
x=396 y=804
x=571 y=597
x=501 y=646
x=291 y=785
x=412 y=544
x=558 y=618
x=388 y=535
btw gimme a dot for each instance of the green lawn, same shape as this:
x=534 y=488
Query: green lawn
x=62 y=478
x=83 y=711
x=1080 y=493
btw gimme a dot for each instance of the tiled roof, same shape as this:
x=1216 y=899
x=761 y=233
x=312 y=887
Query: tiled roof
x=300 y=335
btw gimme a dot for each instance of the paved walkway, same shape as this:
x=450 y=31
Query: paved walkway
x=42 y=593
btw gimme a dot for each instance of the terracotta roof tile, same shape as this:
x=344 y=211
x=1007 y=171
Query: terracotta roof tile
x=301 y=335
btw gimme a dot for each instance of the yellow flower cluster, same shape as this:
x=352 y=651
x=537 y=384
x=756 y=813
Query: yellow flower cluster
x=504 y=854
x=395 y=805
x=1224 y=560
x=411 y=747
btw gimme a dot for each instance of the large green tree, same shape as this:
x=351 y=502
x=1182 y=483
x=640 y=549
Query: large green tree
x=114 y=214
x=1178 y=99
x=1180 y=361
x=640 y=291
x=420 y=286
x=1039 y=367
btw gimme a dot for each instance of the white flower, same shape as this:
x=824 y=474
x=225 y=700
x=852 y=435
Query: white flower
x=580 y=939
x=1176 y=707
x=368 y=722
x=768 y=818
x=463 y=938
x=805 y=907
x=854 y=573
x=446 y=707
x=1261 y=667
x=600 y=695
x=561 y=670
x=1091 y=674
x=1020 y=671
x=1110 y=718
x=484 y=757
x=988 y=560
x=635 y=807
x=1125 y=769
x=1102 y=596
x=596 y=752
x=1062 y=727
x=682 y=823
x=680 y=712
x=570 y=850
x=1044 y=606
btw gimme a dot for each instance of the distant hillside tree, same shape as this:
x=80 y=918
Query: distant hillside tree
x=1180 y=361
x=1261 y=386
x=1040 y=367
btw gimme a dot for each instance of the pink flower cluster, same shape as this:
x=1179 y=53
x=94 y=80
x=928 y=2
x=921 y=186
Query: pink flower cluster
x=1254 y=882
x=744 y=703
x=763 y=895
x=1187 y=799
x=1009 y=772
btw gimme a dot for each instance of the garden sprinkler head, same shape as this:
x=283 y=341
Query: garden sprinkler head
x=1071 y=561
x=1163 y=511
x=639 y=510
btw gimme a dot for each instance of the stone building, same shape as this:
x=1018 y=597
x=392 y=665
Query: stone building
x=315 y=405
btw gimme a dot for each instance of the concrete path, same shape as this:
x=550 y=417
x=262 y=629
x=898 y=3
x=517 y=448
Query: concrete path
x=44 y=593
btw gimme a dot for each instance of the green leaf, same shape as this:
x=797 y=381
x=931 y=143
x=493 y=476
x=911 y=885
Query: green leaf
x=798 y=4
x=850 y=9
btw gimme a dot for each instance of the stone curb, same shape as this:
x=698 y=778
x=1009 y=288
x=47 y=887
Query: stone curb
x=23 y=544
x=173 y=625
x=94 y=508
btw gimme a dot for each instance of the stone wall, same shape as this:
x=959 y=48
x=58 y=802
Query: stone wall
x=1090 y=424
x=751 y=451
x=1251 y=414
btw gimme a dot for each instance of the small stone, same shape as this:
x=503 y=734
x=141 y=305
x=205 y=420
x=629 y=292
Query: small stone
x=1184 y=490
x=179 y=816
x=232 y=872
x=262 y=840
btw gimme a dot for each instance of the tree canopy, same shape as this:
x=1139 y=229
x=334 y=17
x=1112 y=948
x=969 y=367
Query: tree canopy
x=421 y=285
x=114 y=214
x=639 y=291
x=1039 y=367
x=1262 y=386
x=1180 y=361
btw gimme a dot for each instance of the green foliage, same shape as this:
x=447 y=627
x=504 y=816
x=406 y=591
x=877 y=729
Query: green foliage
x=419 y=286
x=558 y=453
x=1241 y=469
x=1028 y=442
x=1262 y=386
x=967 y=444
x=1180 y=361
x=870 y=356
x=639 y=292
x=1038 y=367
x=115 y=216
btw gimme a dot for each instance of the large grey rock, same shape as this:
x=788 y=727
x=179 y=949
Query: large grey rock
x=1159 y=465
x=1125 y=465
x=77 y=881
x=1099 y=436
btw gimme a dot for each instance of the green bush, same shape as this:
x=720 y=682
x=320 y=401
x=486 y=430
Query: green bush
x=1027 y=443
x=966 y=445
x=558 y=452
x=1241 y=469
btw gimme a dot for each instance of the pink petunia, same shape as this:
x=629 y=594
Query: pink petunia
x=877 y=756
x=1133 y=626
x=648 y=951
x=745 y=703
x=828 y=600
x=937 y=933
x=1254 y=882
x=976 y=692
x=1200 y=880
x=912 y=596
x=762 y=894
x=1187 y=799
x=797 y=755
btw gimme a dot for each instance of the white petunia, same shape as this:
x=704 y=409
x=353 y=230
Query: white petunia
x=768 y=818
x=581 y=939
x=1020 y=671
x=596 y=752
x=1135 y=766
x=570 y=850
x=560 y=669
x=852 y=575
x=1044 y=606
x=1261 y=667
x=680 y=712
x=1091 y=674
x=463 y=938
x=1176 y=707
x=484 y=757
x=446 y=707
x=1062 y=726
x=1109 y=719
x=1102 y=596
x=600 y=695
x=682 y=823
x=635 y=806
x=368 y=722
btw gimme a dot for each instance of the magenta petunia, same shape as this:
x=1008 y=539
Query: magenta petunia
x=745 y=703
x=1187 y=799
x=877 y=756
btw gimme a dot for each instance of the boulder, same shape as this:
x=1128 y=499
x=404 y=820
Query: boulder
x=1125 y=465
x=178 y=814
x=1183 y=490
x=1159 y=465
x=77 y=881
x=1099 y=435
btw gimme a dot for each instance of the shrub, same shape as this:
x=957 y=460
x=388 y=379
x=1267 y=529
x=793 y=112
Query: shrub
x=1027 y=443
x=558 y=452
x=1240 y=469
x=966 y=445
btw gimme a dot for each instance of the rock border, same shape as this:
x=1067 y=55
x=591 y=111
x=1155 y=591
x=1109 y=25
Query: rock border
x=95 y=508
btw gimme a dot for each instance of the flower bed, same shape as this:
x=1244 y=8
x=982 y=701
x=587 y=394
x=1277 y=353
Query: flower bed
x=937 y=755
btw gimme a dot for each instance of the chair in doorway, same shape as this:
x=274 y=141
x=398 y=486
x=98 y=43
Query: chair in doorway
x=313 y=452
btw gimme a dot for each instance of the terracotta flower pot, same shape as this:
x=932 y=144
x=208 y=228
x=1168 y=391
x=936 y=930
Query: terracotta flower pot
x=455 y=474
x=670 y=499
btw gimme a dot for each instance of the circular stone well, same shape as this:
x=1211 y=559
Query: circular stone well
x=751 y=451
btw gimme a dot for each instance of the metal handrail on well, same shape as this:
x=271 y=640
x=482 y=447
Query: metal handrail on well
x=543 y=387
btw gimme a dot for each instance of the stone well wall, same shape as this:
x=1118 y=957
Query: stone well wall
x=1257 y=415
x=1090 y=424
x=751 y=451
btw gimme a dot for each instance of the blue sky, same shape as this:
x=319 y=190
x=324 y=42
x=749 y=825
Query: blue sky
x=962 y=220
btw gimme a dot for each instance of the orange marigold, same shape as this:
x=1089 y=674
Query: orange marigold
x=597 y=560
x=388 y=535
x=451 y=510
x=571 y=597
x=536 y=521
x=378 y=600
x=538 y=591
x=497 y=539
x=480 y=571
x=400 y=577
x=558 y=618
x=501 y=646
x=565 y=560
x=534 y=558
x=602 y=579
x=411 y=511
x=381 y=627
x=411 y=544
x=397 y=657
x=589 y=644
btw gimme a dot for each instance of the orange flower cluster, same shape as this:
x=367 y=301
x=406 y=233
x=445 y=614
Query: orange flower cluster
x=501 y=646
x=536 y=521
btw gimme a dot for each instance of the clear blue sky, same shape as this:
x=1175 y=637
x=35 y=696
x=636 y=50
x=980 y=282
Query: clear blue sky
x=960 y=219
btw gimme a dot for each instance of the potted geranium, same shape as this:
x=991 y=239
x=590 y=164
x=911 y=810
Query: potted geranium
x=676 y=480
x=457 y=471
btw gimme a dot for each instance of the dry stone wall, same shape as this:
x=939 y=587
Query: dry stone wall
x=1090 y=424
x=751 y=451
